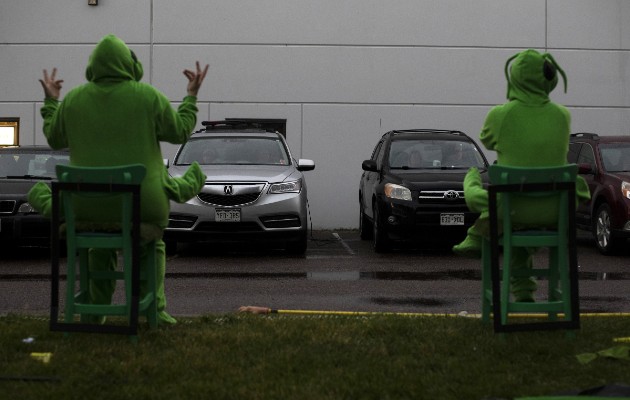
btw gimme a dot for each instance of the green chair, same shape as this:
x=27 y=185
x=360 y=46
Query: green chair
x=551 y=190
x=116 y=188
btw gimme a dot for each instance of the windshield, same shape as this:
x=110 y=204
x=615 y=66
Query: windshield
x=434 y=154
x=234 y=150
x=616 y=156
x=36 y=164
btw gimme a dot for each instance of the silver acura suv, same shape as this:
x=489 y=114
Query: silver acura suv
x=254 y=191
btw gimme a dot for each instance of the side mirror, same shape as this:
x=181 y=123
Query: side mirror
x=585 y=168
x=369 y=165
x=304 y=164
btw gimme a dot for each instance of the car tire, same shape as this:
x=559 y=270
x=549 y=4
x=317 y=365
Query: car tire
x=365 y=225
x=381 y=242
x=299 y=246
x=605 y=242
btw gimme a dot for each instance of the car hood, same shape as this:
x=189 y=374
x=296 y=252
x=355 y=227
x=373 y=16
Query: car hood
x=624 y=175
x=240 y=173
x=433 y=179
x=16 y=187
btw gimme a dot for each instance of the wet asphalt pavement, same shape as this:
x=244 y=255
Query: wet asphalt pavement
x=339 y=272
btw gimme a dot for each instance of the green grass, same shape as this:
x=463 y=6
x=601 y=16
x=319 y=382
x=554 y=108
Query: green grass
x=279 y=356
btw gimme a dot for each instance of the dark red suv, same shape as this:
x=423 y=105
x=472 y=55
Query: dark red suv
x=604 y=163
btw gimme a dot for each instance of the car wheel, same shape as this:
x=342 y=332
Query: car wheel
x=602 y=232
x=365 y=225
x=299 y=246
x=381 y=241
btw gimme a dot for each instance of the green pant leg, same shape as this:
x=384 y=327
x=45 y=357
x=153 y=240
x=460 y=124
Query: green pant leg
x=523 y=288
x=160 y=259
x=101 y=291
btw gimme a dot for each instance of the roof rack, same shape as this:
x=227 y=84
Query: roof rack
x=587 y=135
x=240 y=123
x=429 y=131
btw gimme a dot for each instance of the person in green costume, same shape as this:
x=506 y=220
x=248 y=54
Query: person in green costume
x=528 y=131
x=114 y=119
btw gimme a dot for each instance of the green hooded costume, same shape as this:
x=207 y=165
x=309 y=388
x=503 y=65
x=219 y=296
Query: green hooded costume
x=114 y=119
x=527 y=131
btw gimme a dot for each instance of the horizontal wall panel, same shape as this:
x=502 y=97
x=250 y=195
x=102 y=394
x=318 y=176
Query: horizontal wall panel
x=589 y=24
x=595 y=78
x=337 y=74
x=353 y=22
x=603 y=121
x=22 y=66
x=74 y=21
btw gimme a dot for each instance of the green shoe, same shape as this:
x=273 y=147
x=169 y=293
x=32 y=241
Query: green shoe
x=524 y=297
x=470 y=247
x=164 y=317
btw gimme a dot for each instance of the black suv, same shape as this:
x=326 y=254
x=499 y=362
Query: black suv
x=412 y=188
x=604 y=163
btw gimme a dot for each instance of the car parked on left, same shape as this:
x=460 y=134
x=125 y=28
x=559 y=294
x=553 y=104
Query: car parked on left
x=20 y=168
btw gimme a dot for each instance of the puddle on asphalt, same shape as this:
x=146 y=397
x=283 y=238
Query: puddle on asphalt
x=466 y=274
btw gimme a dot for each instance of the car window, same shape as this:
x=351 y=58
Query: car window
x=615 y=156
x=379 y=154
x=434 y=154
x=586 y=155
x=234 y=150
x=574 y=151
x=31 y=164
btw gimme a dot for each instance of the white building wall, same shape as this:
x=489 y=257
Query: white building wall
x=342 y=72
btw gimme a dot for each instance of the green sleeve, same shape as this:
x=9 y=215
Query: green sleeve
x=491 y=127
x=185 y=187
x=40 y=197
x=53 y=123
x=176 y=126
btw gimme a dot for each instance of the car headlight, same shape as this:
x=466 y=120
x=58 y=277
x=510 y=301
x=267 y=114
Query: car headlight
x=625 y=189
x=397 y=192
x=286 y=187
x=26 y=208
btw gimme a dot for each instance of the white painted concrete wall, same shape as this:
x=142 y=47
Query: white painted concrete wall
x=340 y=71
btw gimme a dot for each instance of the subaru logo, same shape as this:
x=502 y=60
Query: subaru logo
x=451 y=195
x=228 y=190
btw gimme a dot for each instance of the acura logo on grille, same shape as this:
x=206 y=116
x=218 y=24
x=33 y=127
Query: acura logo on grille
x=451 y=195
x=228 y=190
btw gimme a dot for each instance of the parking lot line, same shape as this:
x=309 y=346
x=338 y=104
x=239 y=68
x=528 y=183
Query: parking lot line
x=344 y=244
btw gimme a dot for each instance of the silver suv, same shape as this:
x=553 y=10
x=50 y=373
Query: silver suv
x=254 y=191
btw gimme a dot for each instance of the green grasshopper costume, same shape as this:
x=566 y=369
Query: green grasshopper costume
x=527 y=131
x=114 y=119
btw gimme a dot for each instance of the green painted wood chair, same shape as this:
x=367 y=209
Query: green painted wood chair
x=551 y=190
x=117 y=187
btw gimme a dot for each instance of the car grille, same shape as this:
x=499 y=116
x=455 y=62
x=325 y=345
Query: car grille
x=225 y=200
x=441 y=197
x=7 y=206
x=229 y=194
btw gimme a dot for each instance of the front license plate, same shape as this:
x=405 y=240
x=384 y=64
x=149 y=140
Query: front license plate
x=227 y=215
x=452 y=219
